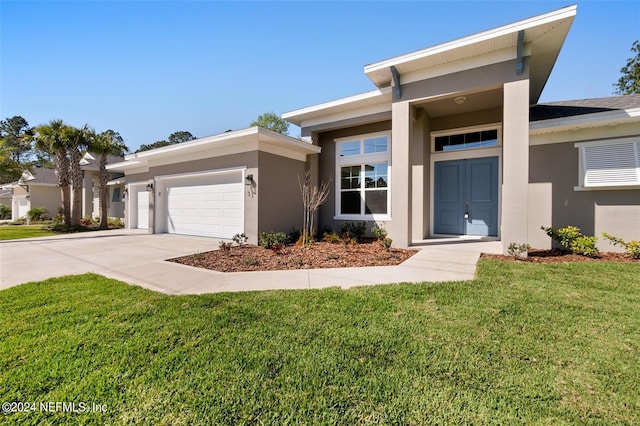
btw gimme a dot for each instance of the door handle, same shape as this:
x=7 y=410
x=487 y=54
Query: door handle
x=466 y=209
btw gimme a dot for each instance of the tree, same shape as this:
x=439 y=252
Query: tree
x=104 y=144
x=10 y=169
x=77 y=143
x=16 y=135
x=180 y=136
x=312 y=198
x=51 y=138
x=629 y=83
x=271 y=121
x=174 y=138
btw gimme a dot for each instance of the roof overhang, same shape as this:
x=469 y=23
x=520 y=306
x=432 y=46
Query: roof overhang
x=373 y=102
x=585 y=121
x=234 y=142
x=544 y=36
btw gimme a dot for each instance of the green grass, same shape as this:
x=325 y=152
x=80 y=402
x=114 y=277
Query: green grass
x=521 y=344
x=16 y=232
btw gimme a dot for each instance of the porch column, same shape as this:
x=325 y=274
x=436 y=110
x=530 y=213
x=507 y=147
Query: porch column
x=399 y=228
x=515 y=163
x=87 y=194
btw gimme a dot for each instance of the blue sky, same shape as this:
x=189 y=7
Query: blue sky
x=149 y=68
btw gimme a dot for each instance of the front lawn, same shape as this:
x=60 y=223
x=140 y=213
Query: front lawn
x=16 y=232
x=522 y=344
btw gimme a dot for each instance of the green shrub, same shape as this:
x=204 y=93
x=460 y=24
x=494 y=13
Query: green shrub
x=5 y=212
x=37 y=213
x=379 y=232
x=631 y=247
x=271 y=239
x=386 y=243
x=352 y=230
x=563 y=236
x=115 y=222
x=585 y=246
x=518 y=250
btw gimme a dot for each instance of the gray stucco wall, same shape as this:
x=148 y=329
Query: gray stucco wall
x=553 y=174
x=277 y=187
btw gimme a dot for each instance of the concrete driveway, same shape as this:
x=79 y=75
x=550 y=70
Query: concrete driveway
x=139 y=258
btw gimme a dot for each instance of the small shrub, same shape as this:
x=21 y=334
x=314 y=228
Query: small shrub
x=332 y=238
x=585 y=246
x=240 y=239
x=518 y=251
x=563 y=236
x=269 y=239
x=379 y=232
x=297 y=261
x=115 y=222
x=37 y=213
x=252 y=261
x=353 y=229
x=225 y=245
x=631 y=247
x=86 y=221
x=386 y=243
x=333 y=256
x=5 y=212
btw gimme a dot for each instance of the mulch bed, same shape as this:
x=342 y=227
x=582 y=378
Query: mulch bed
x=563 y=256
x=319 y=255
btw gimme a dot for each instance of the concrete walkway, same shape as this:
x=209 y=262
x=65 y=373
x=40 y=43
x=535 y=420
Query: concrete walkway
x=138 y=258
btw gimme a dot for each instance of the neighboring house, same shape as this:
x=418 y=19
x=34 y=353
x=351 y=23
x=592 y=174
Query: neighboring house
x=38 y=188
x=451 y=143
x=90 y=187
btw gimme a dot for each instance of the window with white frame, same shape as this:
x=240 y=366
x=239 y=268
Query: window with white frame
x=612 y=163
x=362 y=163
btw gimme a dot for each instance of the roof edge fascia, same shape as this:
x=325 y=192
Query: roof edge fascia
x=559 y=14
x=584 y=121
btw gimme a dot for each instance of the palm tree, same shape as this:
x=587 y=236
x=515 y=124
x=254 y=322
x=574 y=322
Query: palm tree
x=77 y=142
x=51 y=138
x=105 y=144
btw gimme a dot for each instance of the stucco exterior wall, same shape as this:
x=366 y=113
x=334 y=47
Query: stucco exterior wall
x=45 y=196
x=277 y=188
x=327 y=168
x=553 y=174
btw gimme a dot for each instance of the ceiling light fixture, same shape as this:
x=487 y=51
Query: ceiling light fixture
x=460 y=100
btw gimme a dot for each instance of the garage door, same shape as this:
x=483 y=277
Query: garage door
x=211 y=205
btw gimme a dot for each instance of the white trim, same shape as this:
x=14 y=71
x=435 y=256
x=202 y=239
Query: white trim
x=463 y=130
x=560 y=14
x=348 y=115
x=359 y=160
x=584 y=121
x=203 y=173
x=465 y=154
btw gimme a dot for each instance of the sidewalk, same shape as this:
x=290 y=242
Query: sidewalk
x=139 y=258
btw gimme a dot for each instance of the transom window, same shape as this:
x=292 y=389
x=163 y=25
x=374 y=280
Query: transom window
x=362 y=191
x=470 y=140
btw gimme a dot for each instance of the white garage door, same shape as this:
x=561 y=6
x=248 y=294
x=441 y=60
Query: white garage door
x=211 y=206
x=143 y=210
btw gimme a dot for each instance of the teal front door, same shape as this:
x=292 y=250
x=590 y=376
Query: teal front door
x=466 y=197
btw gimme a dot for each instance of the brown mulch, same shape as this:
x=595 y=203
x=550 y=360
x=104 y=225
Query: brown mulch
x=319 y=255
x=563 y=256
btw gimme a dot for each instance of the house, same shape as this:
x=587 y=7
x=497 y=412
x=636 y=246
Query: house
x=39 y=188
x=451 y=143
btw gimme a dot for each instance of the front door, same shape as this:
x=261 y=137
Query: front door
x=466 y=197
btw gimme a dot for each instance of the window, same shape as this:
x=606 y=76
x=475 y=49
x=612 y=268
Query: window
x=116 y=195
x=471 y=140
x=362 y=163
x=614 y=163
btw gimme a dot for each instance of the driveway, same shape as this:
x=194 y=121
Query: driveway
x=139 y=258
